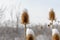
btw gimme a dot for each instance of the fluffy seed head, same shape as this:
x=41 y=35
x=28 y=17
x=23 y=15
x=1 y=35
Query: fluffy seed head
x=30 y=34
x=55 y=37
x=55 y=31
x=30 y=37
x=29 y=31
x=51 y=15
x=25 y=17
x=55 y=34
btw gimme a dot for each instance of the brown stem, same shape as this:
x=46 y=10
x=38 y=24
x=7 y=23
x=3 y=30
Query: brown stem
x=52 y=24
x=25 y=31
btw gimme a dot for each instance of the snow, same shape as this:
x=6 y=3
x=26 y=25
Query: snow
x=42 y=37
x=55 y=31
x=29 y=31
x=10 y=33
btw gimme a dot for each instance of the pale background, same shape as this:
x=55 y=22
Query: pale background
x=38 y=10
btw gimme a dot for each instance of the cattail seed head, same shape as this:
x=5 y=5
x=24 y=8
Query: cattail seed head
x=30 y=34
x=30 y=37
x=25 y=17
x=51 y=15
x=55 y=37
x=55 y=34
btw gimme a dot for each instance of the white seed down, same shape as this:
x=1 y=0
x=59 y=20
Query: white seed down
x=29 y=31
x=55 y=31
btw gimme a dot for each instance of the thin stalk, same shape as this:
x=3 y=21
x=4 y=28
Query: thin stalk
x=25 y=31
x=52 y=24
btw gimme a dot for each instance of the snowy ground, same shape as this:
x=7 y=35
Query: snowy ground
x=9 y=33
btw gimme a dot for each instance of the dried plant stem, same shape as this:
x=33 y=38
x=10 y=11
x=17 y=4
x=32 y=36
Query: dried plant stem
x=25 y=31
x=52 y=24
x=25 y=19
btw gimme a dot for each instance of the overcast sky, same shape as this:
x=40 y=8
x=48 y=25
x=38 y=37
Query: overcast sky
x=38 y=10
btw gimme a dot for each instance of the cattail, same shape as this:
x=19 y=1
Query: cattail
x=55 y=34
x=51 y=16
x=29 y=37
x=25 y=18
x=30 y=34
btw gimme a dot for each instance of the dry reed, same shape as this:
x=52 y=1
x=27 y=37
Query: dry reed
x=55 y=37
x=30 y=37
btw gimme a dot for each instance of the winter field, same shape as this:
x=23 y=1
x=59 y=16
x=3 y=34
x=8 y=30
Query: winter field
x=41 y=32
x=37 y=10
